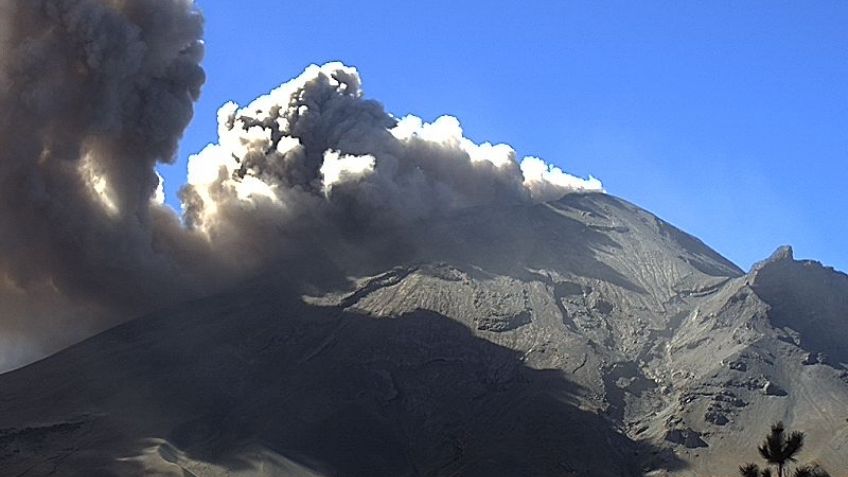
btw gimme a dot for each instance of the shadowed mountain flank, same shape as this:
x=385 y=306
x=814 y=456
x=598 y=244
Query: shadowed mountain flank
x=263 y=385
x=809 y=301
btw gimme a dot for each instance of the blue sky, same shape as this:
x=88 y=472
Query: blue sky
x=728 y=119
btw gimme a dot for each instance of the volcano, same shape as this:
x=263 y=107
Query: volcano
x=579 y=337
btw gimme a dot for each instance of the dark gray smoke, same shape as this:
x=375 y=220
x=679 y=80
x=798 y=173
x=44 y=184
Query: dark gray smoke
x=95 y=93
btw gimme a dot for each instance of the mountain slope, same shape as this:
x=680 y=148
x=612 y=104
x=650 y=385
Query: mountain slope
x=580 y=337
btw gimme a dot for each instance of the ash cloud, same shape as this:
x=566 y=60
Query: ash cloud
x=95 y=93
x=92 y=95
x=315 y=151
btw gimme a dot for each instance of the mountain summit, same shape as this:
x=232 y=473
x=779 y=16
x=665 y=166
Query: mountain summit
x=580 y=337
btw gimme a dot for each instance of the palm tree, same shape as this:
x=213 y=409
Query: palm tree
x=779 y=450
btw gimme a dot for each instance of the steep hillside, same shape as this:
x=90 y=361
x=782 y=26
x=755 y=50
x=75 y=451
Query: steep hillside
x=583 y=337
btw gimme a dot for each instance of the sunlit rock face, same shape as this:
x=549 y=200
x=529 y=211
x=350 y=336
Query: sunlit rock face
x=583 y=336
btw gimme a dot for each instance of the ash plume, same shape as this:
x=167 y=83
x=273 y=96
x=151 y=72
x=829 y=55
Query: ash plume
x=95 y=93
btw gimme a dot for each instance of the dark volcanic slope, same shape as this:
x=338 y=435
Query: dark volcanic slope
x=582 y=337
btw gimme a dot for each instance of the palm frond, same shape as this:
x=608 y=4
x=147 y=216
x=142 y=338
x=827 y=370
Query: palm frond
x=749 y=470
x=773 y=447
x=810 y=471
x=793 y=445
x=805 y=471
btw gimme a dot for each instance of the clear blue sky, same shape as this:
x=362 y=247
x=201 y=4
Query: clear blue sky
x=728 y=119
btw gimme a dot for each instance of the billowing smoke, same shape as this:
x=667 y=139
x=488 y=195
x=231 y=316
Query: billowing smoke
x=95 y=93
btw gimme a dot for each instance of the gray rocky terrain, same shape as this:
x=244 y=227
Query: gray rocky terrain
x=582 y=337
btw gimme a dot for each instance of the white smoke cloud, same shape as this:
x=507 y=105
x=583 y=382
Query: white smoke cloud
x=338 y=169
x=317 y=134
x=547 y=182
x=97 y=92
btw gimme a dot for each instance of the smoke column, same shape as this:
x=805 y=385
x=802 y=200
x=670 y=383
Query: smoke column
x=95 y=93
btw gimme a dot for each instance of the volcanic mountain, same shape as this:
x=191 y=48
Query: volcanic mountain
x=580 y=337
